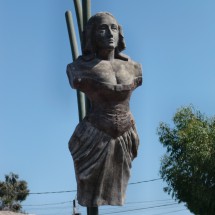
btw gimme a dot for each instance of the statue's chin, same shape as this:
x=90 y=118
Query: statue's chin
x=110 y=47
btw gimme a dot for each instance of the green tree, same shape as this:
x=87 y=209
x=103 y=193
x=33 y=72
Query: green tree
x=12 y=192
x=188 y=165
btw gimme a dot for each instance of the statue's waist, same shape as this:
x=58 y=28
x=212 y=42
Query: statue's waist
x=114 y=122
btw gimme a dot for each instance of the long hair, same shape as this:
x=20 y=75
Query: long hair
x=88 y=43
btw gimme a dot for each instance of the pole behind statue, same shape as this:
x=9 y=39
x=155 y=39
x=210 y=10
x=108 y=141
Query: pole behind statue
x=86 y=5
x=83 y=14
x=79 y=16
x=74 y=49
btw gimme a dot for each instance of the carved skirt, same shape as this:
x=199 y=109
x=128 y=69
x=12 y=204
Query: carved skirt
x=102 y=164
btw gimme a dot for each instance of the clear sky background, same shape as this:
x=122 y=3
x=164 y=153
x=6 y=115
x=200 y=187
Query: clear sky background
x=174 y=40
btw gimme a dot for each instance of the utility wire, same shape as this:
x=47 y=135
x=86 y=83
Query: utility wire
x=51 y=208
x=63 y=191
x=57 y=203
x=129 y=210
x=139 y=182
x=133 y=206
x=123 y=211
x=71 y=191
x=149 y=201
x=65 y=202
x=137 y=209
x=53 y=213
x=164 y=213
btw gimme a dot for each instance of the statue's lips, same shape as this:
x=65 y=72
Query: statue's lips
x=111 y=40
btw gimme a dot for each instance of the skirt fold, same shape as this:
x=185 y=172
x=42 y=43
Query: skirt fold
x=102 y=164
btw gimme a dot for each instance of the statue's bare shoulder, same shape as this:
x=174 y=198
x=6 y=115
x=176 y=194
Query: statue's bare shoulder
x=110 y=72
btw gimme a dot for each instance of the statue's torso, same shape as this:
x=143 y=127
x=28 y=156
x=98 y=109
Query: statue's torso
x=110 y=72
x=109 y=85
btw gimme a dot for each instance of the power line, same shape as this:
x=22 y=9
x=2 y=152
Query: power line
x=170 y=212
x=163 y=213
x=51 y=208
x=139 y=182
x=126 y=210
x=65 y=202
x=56 y=203
x=134 y=205
x=149 y=201
x=53 y=213
x=63 y=191
x=71 y=191
x=137 y=209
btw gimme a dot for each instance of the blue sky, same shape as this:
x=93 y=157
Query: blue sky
x=174 y=42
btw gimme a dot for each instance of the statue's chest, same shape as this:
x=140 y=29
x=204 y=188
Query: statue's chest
x=111 y=72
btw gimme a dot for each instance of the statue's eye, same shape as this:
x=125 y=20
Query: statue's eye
x=114 y=27
x=102 y=27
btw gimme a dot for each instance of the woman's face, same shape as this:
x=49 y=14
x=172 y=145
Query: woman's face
x=106 y=33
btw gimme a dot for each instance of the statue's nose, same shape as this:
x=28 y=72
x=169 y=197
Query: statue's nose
x=110 y=32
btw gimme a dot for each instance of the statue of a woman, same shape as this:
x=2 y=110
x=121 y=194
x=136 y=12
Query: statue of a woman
x=105 y=142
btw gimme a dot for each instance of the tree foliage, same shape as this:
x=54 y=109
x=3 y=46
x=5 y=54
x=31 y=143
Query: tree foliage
x=188 y=166
x=12 y=192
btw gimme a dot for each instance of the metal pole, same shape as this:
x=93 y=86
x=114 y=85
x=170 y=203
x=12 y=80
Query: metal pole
x=74 y=49
x=86 y=5
x=72 y=36
x=82 y=18
x=92 y=211
x=79 y=15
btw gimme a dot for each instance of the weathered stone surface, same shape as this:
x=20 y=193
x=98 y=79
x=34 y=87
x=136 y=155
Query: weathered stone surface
x=104 y=144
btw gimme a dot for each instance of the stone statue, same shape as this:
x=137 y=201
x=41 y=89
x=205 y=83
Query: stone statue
x=105 y=142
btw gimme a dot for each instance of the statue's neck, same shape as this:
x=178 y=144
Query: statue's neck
x=105 y=54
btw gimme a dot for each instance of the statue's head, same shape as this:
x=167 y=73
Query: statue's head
x=94 y=39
